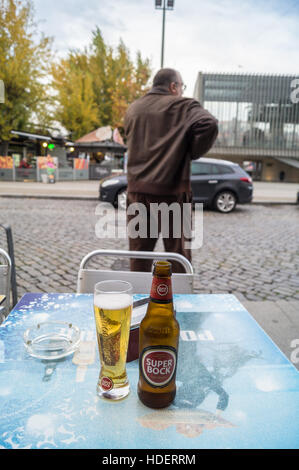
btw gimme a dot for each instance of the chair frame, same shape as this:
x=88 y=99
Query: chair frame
x=10 y=251
x=7 y=273
x=183 y=282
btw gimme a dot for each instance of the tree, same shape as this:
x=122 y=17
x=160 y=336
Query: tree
x=76 y=108
x=129 y=83
x=24 y=59
x=100 y=66
x=94 y=87
x=121 y=82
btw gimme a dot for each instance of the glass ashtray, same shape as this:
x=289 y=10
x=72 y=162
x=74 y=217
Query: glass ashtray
x=52 y=340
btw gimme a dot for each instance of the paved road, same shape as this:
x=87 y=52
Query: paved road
x=253 y=252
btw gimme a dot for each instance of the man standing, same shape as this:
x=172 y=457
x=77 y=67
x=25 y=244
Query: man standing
x=164 y=132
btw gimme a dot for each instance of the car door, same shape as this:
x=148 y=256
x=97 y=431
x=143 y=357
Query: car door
x=202 y=181
x=224 y=175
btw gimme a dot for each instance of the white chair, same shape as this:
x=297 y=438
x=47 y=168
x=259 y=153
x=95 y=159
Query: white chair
x=182 y=283
x=5 y=282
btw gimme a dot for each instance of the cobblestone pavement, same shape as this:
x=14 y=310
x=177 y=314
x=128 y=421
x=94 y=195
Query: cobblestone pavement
x=253 y=252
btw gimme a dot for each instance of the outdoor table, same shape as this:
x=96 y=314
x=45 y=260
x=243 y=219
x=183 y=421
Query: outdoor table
x=235 y=388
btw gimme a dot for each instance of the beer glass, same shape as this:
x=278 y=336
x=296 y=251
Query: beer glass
x=113 y=302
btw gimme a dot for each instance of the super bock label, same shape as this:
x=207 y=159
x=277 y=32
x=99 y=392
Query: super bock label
x=161 y=290
x=158 y=365
x=106 y=384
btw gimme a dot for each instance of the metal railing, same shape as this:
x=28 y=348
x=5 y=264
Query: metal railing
x=256 y=112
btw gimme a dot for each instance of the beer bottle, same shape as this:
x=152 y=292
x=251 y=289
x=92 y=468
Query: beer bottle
x=158 y=342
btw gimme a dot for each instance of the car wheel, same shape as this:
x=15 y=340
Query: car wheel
x=225 y=202
x=122 y=199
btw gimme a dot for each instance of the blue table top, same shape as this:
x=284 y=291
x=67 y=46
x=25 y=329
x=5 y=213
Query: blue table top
x=235 y=388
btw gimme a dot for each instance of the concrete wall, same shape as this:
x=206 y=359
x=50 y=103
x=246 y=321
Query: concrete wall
x=271 y=167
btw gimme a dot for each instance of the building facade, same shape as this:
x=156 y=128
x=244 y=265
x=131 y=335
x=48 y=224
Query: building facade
x=24 y=159
x=258 y=122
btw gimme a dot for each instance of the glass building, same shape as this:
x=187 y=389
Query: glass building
x=258 y=121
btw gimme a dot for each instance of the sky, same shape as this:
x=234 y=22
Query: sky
x=257 y=36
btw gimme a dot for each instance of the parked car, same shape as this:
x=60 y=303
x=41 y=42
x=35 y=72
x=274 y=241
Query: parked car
x=219 y=184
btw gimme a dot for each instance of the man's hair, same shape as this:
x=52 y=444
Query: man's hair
x=165 y=77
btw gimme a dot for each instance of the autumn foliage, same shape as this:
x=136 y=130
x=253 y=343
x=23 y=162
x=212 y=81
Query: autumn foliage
x=94 y=87
x=85 y=90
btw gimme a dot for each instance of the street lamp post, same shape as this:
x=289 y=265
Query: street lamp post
x=163 y=5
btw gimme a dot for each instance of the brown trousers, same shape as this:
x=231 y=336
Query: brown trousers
x=172 y=242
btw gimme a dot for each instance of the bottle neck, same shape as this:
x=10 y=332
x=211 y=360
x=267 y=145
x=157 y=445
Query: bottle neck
x=161 y=291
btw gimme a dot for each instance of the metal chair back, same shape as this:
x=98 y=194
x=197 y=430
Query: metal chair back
x=5 y=280
x=141 y=281
x=10 y=250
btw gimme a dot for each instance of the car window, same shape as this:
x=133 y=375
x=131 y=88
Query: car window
x=222 y=170
x=201 y=168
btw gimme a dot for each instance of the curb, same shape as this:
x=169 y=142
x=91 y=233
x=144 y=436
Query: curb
x=39 y=196
x=93 y=198
x=274 y=203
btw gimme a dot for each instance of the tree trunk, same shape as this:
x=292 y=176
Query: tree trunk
x=4 y=148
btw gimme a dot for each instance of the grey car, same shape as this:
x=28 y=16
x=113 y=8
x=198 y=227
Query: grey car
x=219 y=184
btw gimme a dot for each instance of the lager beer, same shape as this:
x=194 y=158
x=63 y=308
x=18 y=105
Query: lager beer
x=158 y=342
x=112 y=308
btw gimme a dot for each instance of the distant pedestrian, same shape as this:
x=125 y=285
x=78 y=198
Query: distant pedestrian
x=281 y=176
x=24 y=163
x=164 y=132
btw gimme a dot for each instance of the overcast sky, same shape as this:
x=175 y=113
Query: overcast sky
x=214 y=35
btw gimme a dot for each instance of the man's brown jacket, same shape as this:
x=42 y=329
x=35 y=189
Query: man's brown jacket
x=164 y=133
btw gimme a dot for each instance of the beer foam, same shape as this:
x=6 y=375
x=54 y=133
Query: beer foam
x=113 y=301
